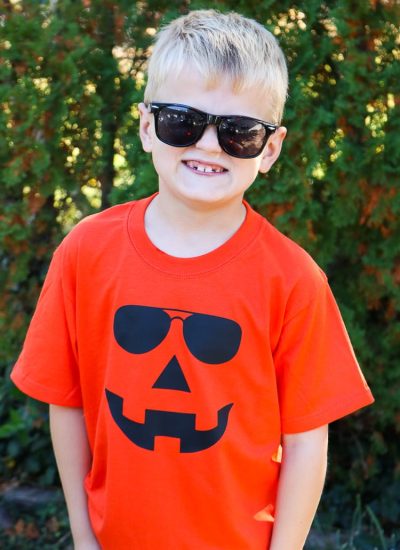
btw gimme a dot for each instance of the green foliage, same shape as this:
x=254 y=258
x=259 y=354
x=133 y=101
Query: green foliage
x=71 y=75
x=44 y=527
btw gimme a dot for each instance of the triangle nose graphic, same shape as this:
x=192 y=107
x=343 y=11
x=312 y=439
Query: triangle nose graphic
x=172 y=378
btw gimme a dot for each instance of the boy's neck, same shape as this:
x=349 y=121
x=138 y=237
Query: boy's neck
x=186 y=231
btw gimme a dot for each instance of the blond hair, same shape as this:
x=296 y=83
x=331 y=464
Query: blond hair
x=221 y=44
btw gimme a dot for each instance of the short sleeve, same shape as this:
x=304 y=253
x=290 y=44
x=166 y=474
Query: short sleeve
x=319 y=379
x=47 y=368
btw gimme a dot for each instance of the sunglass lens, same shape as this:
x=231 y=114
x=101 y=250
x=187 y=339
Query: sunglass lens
x=212 y=339
x=179 y=126
x=139 y=329
x=242 y=137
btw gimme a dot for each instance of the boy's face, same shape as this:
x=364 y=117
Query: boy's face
x=185 y=172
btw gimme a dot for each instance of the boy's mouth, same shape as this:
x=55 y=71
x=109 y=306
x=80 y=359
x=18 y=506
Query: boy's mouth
x=204 y=168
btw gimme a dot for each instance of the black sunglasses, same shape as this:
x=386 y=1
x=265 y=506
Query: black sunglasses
x=211 y=339
x=181 y=126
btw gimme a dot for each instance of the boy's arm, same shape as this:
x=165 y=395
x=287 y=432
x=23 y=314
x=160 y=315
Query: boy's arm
x=73 y=457
x=301 y=482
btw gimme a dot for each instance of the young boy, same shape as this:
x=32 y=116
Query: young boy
x=181 y=339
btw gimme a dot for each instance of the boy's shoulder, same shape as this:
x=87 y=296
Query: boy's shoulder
x=99 y=227
x=104 y=220
x=92 y=236
x=286 y=257
x=288 y=269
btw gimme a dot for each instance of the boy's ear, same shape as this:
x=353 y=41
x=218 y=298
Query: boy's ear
x=272 y=149
x=145 y=128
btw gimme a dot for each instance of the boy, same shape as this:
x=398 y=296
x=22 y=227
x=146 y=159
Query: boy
x=181 y=339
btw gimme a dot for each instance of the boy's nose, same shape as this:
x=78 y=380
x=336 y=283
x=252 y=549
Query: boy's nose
x=209 y=140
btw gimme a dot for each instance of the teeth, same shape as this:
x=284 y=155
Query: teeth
x=205 y=168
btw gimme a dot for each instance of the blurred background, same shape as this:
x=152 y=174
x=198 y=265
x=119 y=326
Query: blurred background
x=71 y=74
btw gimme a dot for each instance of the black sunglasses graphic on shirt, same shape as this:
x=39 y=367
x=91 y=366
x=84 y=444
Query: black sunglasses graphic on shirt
x=211 y=339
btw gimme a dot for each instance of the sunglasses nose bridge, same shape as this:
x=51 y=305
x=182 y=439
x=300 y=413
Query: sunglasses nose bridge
x=176 y=328
x=209 y=138
x=213 y=119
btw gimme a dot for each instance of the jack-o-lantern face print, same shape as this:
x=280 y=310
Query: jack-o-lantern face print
x=210 y=339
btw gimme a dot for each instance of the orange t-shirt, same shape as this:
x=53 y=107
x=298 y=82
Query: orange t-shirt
x=188 y=370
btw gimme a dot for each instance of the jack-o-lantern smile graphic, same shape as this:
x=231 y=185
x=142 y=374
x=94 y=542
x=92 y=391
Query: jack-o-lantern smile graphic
x=210 y=339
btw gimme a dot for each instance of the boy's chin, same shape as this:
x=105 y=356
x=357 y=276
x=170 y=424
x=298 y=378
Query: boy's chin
x=207 y=199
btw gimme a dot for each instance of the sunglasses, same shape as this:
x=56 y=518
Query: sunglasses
x=178 y=125
x=211 y=339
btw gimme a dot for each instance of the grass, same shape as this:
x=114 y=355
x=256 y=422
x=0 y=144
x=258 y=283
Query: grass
x=365 y=532
x=46 y=527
